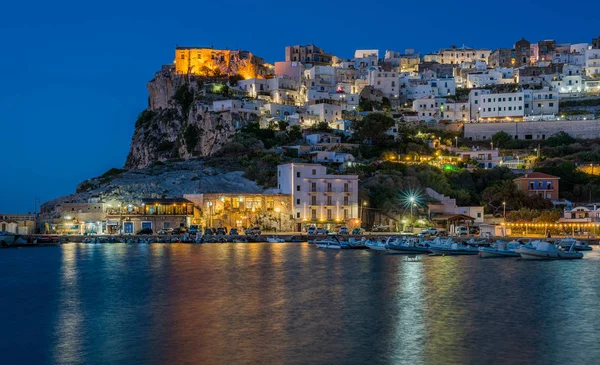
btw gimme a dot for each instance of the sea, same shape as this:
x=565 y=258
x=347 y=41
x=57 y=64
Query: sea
x=291 y=303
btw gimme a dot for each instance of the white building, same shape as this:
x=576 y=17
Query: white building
x=318 y=198
x=333 y=157
x=385 y=81
x=486 y=158
x=323 y=138
x=365 y=58
x=486 y=106
x=430 y=108
x=541 y=102
x=457 y=111
x=456 y=56
x=244 y=108
x=323 y=110
x=592 y=62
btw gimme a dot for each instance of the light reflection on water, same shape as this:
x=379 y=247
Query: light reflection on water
x=291 y=304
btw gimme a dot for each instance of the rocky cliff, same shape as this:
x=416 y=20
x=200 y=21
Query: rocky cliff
x=178 y=123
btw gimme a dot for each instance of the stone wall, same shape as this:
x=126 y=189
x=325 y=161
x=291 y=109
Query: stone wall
x=539 y=130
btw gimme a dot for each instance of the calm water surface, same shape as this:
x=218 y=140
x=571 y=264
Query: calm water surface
x=291 y=304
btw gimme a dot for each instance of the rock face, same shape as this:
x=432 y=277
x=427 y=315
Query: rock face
x=172 y=179
x=179 y=123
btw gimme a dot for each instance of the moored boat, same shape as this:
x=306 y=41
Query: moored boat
x=578 y=245
x=543 y=250
x=500 y=249
x=407 y=246
x=274 y=239
x=454 y=250
x=7 y=239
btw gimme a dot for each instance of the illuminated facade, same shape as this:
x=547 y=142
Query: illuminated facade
x=270 y=212
x=319 y=198
x=214 y=62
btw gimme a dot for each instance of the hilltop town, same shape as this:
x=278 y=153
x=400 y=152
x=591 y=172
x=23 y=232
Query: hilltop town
x=392 y=139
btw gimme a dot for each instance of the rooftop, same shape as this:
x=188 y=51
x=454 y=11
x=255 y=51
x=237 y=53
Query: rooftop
x=536 y=175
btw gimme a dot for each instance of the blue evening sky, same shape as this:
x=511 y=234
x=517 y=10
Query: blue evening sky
x=73 y=74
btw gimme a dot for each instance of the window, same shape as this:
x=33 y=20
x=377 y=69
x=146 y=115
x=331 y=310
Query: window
x=551 y=104
x=297 y=187
x=297 y=201
x=313 y=200
x=313 y=214
x=128 y=227
x=346 y=200
x=298 y=215
x=147 y=225
x=314 y=172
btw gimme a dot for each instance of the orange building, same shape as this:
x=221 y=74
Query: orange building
x=540 y=184
x=214 y=62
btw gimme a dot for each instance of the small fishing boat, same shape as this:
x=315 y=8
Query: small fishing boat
x=578 y=245
x=500 y=249
x=7 y=239
x=377 y=245
x=542 y=250
x=406 y=246
x=274 y=239
x=331 y=243
x=454 y=250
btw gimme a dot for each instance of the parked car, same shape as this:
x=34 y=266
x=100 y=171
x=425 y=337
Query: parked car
x=474 y=230
x=429 y=232
x=144 y=231
x=208 y=232
x=381 y=228
x=220 y=231
x=311 y=230
x=358 y=231
x=343 y=230
x=180 y=230
x=253 y=231
x=322 y=231
x=233 y=232
x=166 y=231
x=460 y=230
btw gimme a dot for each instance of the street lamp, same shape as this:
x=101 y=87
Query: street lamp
x=504 y=207
x=456 y=140
x=412 y=204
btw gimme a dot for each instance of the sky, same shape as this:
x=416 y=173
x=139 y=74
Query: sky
x=74 y=73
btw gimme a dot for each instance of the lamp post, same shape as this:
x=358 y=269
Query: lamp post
x=504 y=207
x=456 y=140
x=412 y=204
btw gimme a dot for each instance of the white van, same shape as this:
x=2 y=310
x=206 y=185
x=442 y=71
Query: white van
x=461 y=231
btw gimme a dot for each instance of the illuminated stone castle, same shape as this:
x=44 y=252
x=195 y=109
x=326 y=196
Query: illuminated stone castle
x=216 y=62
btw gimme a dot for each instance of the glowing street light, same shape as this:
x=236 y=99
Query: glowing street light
x=504 y=206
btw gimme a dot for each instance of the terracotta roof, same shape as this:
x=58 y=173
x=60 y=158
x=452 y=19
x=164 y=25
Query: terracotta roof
x=537 y=175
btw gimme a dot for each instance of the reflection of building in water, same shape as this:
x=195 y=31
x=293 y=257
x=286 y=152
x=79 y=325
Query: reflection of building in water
x=239 y=210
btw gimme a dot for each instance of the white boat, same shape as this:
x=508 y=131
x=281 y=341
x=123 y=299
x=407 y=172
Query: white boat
x=579 y=245
x=274 y=239
x=329 y=243
x=408 y=246
x=7 y=239
x=500 y=249
x=542 y=250
x=454 y=250
x=376 y=245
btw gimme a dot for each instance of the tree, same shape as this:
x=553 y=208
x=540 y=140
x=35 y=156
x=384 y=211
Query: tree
x=321 y=127
x=501 y=138
x=560 y=139
x=372 y=127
